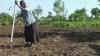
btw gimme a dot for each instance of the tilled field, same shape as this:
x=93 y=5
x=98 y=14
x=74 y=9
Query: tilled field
x=54 y=41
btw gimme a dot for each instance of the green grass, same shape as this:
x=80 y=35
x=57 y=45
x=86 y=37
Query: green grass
x=71 y=23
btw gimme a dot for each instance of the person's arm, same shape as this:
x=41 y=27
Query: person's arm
x=21 y=7
x=17 y=19
x=16 y=2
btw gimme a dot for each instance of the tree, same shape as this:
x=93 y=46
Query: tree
x=37 y=12
x=5 y=19
x=71 y=17
x=59 y=7
x=83 y=15
x=79 y=15
x=99 y=0
x=95 y=12
x=49 y=15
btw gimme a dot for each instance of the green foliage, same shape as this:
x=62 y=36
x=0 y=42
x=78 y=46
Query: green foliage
x=72 y=23
x=77 y=24
x=45 y=21
x=5 y=19
x=49 y=15
x=58 y=18
x=59 y=7
x=71 y=17
x=79 y=15
x=95 y=12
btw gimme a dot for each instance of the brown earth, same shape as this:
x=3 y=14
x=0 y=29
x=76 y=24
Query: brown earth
x=54 y=41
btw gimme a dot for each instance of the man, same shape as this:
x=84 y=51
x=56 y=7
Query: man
x=30 y=31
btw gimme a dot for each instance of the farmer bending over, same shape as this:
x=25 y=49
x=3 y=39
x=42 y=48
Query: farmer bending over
x=30 y=31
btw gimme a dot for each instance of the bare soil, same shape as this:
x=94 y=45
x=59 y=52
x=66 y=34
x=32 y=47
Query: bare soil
x=54 y=41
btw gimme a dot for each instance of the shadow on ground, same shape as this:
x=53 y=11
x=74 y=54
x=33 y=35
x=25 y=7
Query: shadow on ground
x=82 y=36
x=14 y=46
x=72 y=36
x=16 y=34
x=96 y=48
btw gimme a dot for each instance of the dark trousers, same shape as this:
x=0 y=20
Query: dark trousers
x=31 y=34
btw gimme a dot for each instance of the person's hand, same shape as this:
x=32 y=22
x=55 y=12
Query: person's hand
x=16 y=2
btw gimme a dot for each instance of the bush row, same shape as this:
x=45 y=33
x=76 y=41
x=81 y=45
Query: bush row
x=71 y=23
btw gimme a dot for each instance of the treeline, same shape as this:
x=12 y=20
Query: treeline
x=76 y=19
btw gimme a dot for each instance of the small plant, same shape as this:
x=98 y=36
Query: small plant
x=34 y=46
x=49 y=52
